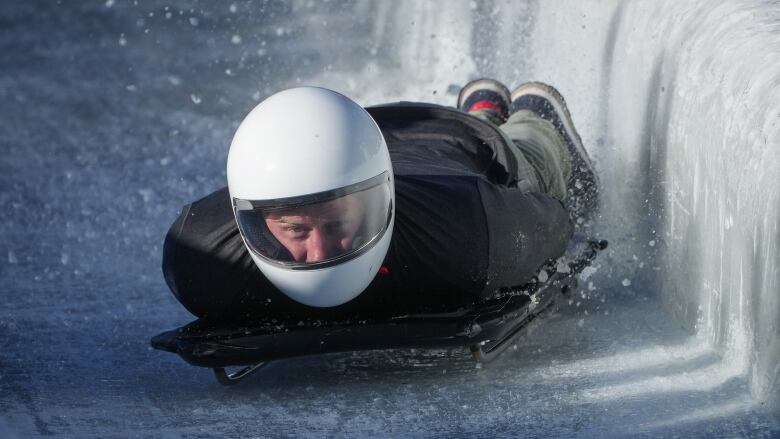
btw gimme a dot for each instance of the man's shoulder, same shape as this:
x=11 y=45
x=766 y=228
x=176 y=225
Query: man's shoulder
x=410 y=111
x=433 y=121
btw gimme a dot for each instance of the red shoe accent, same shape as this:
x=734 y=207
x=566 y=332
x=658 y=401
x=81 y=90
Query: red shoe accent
x=485 y=105
x=384 y=271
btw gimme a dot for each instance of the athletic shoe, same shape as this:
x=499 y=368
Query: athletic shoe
x=546 y=102
x=485 y=94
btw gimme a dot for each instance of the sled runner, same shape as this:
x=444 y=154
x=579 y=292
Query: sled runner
x=486 y=328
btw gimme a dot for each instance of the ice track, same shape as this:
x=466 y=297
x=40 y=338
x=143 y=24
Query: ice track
x=115 y=114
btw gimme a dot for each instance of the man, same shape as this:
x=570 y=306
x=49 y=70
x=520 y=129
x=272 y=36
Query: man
x=334 y=211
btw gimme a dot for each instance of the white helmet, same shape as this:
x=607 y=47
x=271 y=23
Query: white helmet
x=312 y=189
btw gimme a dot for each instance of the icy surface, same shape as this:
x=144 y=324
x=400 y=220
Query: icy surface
x=115 y=114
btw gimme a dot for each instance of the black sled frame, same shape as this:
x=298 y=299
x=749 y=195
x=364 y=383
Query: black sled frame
x=487 y=328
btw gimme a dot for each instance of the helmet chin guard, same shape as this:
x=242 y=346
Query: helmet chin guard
x=312 y=188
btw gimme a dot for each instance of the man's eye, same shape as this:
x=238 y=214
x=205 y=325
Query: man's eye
x=296 y=229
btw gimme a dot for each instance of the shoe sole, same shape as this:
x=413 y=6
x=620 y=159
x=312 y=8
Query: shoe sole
x=483 y=84
x=555 y=99
x=583 y=200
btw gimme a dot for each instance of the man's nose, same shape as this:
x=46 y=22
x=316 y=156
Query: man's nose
x=315 y=246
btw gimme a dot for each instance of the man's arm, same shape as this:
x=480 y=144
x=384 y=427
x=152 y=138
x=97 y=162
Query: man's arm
x=526 y=230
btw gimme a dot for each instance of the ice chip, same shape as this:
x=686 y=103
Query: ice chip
x=146 y=194
x=587 y=272
x=12 y=259
x=236 y=39
x=195 y=99
x=626 y=282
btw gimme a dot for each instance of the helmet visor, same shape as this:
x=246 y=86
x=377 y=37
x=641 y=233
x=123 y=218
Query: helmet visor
x=317 y=230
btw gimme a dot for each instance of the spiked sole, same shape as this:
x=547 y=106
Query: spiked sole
x=555 y=99
x=483 y=84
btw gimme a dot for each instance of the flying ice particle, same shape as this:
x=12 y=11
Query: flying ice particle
x=587 y=272
x=236 y=39
x=233 y=8
x=193 y=21
x=12 y=259
x=626 y=282
x=146 y=194
x=109 y=3
x=652 y=243
x=195 y=99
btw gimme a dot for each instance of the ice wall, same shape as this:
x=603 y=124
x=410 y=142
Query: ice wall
x=679 y=103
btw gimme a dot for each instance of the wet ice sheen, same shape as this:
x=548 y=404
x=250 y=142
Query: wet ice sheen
x=116 y=114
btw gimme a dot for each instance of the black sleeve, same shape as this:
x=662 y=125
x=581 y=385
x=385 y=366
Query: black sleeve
x=526 y=229
x=207 y=267
x=439 y=251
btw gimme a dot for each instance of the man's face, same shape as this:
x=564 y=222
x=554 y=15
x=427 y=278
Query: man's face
x=318 y=232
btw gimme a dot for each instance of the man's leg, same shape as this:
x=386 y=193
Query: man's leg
x=548 y=149
x=543 y=148
x=489 y=100
x=579 y=178
x=542 y=159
